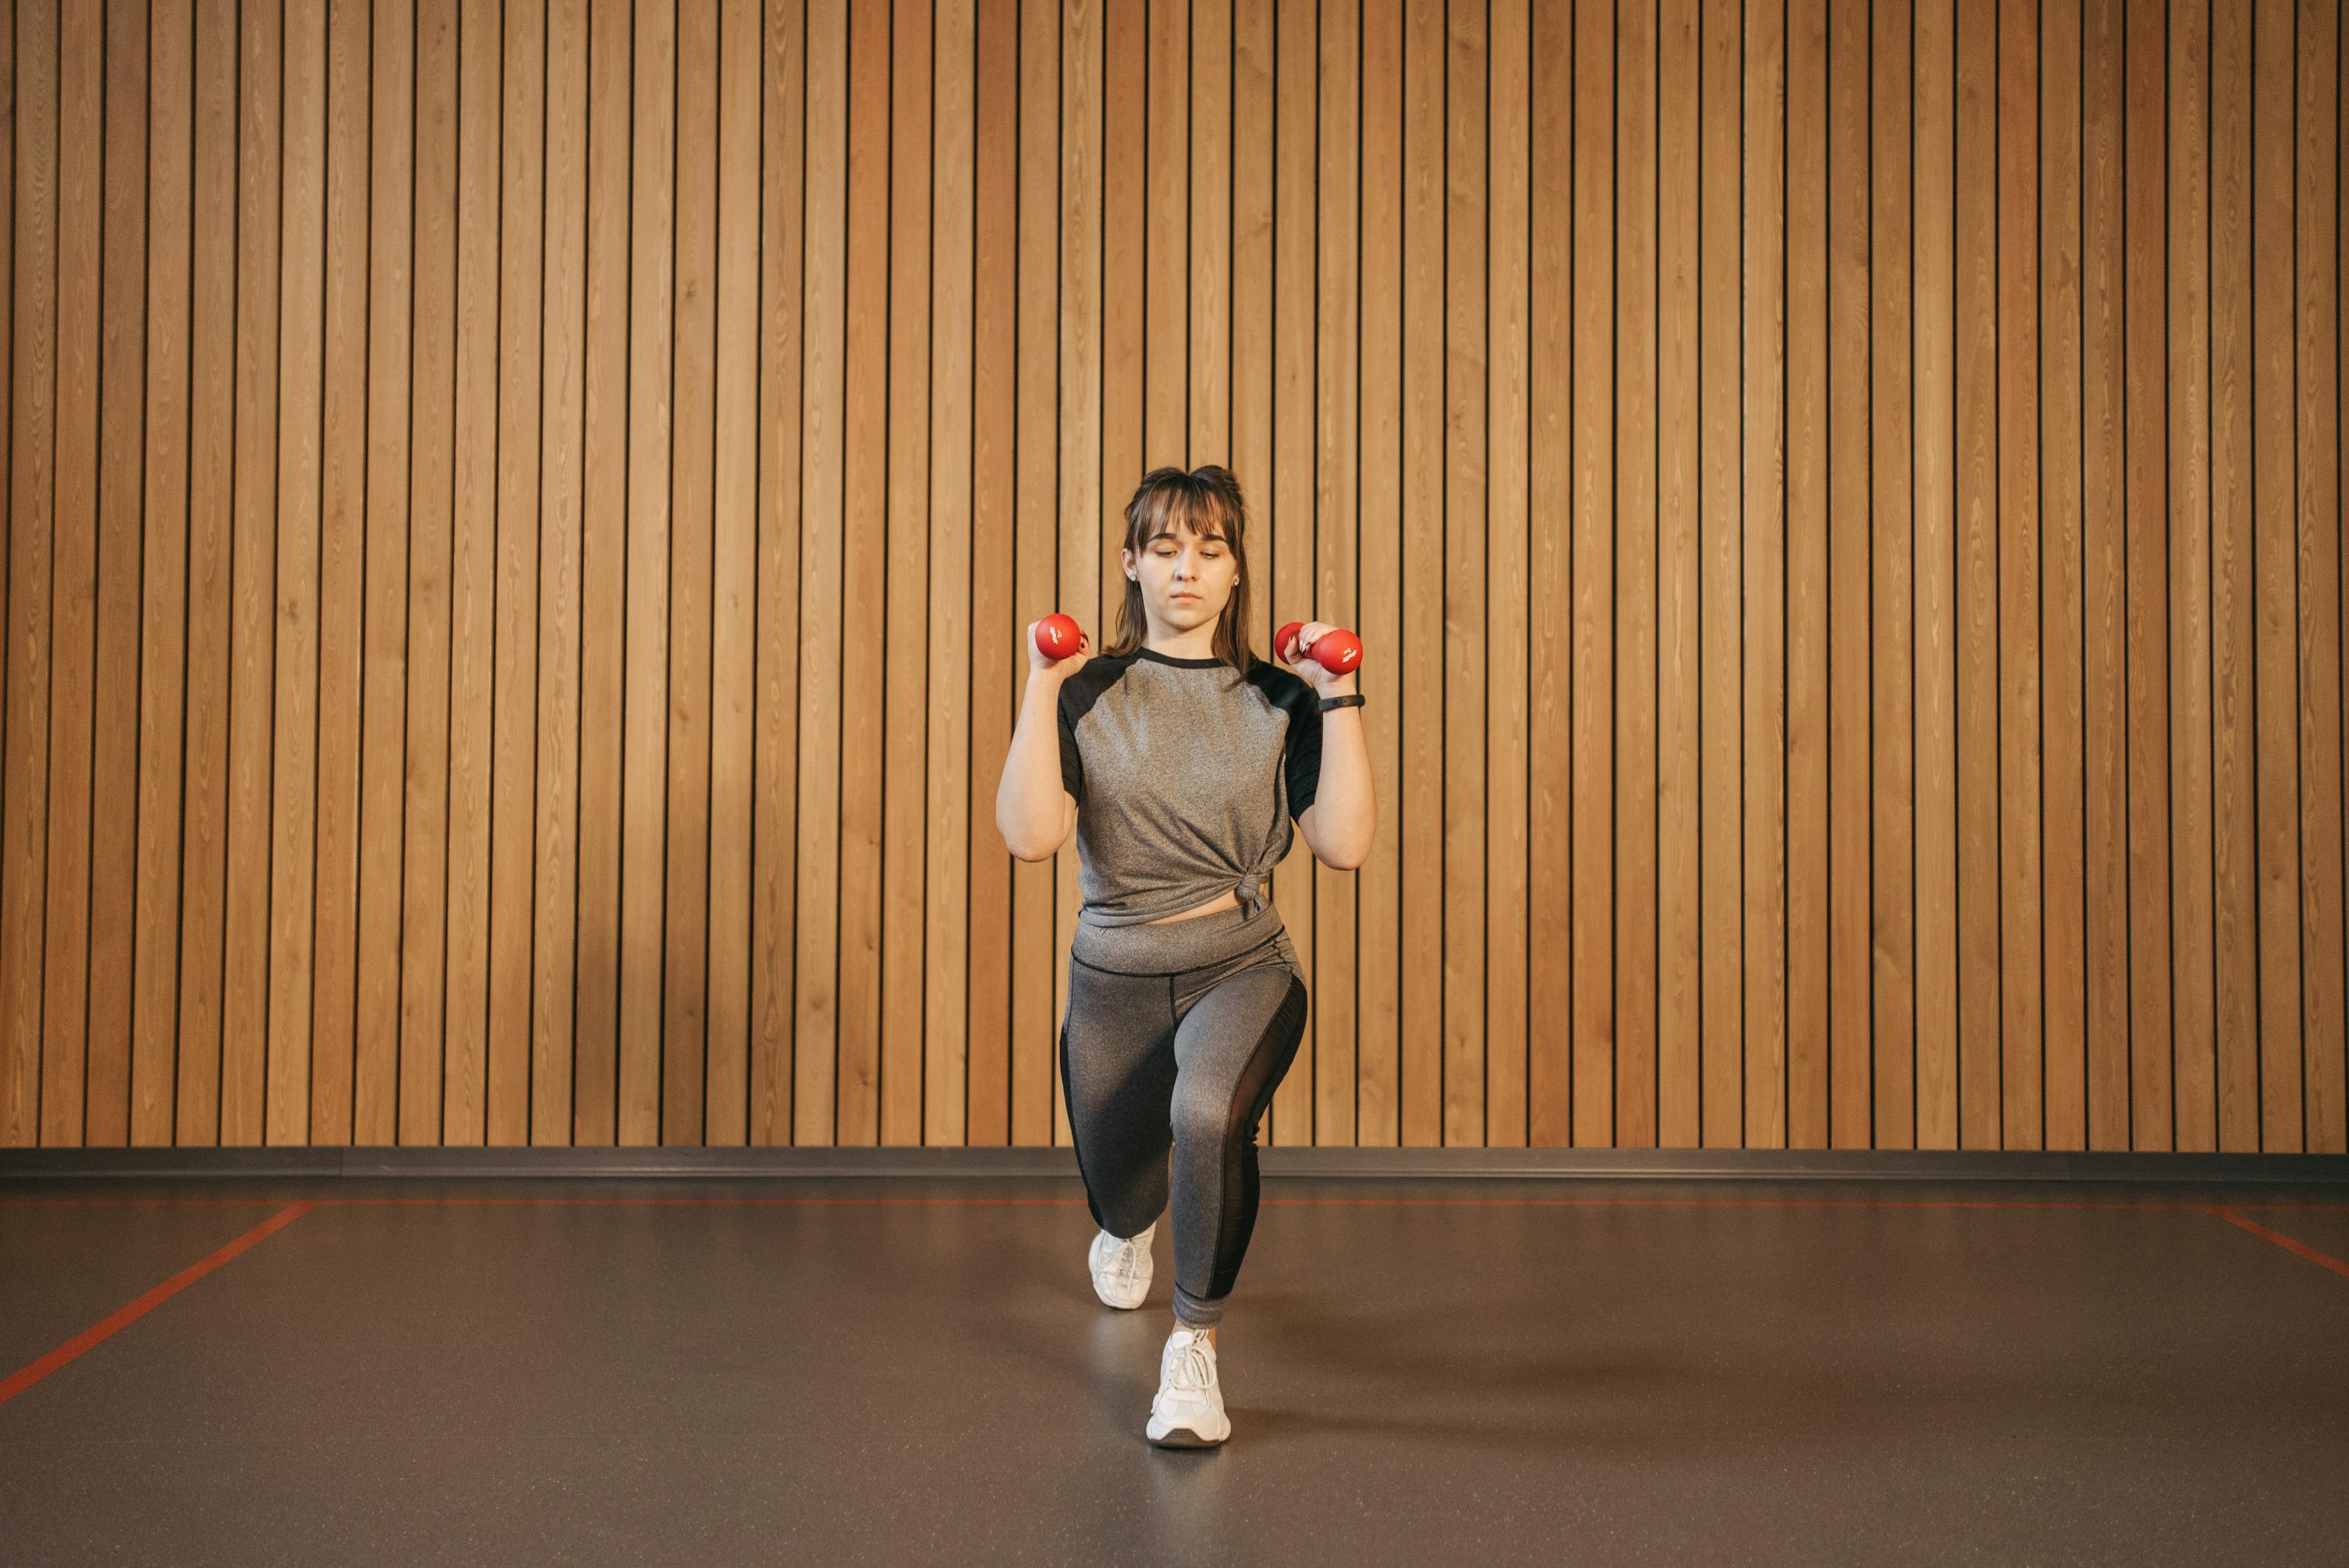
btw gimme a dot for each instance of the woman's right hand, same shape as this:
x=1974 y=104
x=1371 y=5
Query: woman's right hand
x=1040 y=663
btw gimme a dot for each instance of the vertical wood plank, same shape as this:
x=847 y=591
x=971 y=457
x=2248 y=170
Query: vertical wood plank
x=1568 y=701
x=472 y=571
x=2063 y=692
x=1892 y=941
x=644 y=762
x=1976 y=271
x=1631 y=1119
x=1420 y=1087
x=1464 y=542
x=342 y=572
x=1807 y=883
x=946 y=907
x=823 y=652
x=2316 y=248
x=1127 y=270
x=1292 y=580
x=32 y=478
x=775 y=829
x=383 y=680
x=734 y=575
x=1765 y=552
x=997 y=658
x=2148 y=607
x=163 y=664
x=1849 y=622
x=1337 y=501
x=1721 y=739
x=2102 y=592
x=72 y=589
x=2274 y=578
x=423 y=1010
x=114 y=752
x=903 y=782
x=1080 y=416
x=1568 y=334
x=10 y=992
x=301 y=401
x=1165 y=185
x=1934 y=713
x=1254 y=41
x=1680 y=905
x=684 y=918
x=603 y=652
x=2021 y=931
x=1208 y=224
x=1375 y=1102
x=862 y=604
x=2188 y=437
x=244 y=1013
x=1037 y=1115
x=514 y=738
x=556 y=909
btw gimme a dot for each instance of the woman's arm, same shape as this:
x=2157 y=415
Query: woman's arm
x=1344 y=818
x=1033 y=810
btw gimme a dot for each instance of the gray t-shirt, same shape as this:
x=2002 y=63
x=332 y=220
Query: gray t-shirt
x=1187 y=775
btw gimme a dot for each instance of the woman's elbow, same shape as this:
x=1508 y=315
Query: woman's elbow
x=1345 y=857
x=1024 y=848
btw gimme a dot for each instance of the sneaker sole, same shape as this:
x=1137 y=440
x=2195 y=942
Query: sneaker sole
x=1185 y=1437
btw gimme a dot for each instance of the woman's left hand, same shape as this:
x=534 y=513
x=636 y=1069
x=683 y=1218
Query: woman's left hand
x=1309 y=670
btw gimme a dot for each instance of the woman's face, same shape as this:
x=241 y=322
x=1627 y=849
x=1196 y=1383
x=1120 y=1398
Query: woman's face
x=1186 y=577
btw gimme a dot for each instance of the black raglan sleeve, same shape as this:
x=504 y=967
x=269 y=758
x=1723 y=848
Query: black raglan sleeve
x=1301 y=750
x=1070 y=706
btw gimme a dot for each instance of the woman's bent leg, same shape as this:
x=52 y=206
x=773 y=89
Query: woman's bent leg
x=1232 y=1048
x=1117 y=1069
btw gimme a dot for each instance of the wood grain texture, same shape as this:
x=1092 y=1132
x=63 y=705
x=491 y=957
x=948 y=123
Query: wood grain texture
x=31 y=499
x=1933 y=577
x=114 y=741
x=1679 y=892
x=1631 y=1119
x=1338 y=560
x=1849 y=598
x=65 y=1056
x=522 y=516
x=2063 y=693
x=2324 y=968
x=1893 y=569
x=252 y=587
x=163 y=618
x=473 y=566
x=342 y=560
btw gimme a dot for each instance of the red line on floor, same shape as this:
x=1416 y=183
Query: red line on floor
x=2322 y=1260
x=753 y=1201
x=106 y=1328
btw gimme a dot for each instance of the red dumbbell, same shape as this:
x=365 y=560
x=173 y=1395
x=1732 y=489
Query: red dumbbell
x=1058 y=636
x=1336 y=650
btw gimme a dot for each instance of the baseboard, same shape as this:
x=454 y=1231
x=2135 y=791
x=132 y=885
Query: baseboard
x=1650 y=1164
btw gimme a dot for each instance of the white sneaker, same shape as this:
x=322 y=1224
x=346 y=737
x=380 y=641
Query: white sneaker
x=1188 y=1412
x=1122 y=1268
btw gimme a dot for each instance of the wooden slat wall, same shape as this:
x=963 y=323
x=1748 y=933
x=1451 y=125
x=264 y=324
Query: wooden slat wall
x=520 y=517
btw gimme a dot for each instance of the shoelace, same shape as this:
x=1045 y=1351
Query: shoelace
x=1128 y=1255
x=1192 y=1368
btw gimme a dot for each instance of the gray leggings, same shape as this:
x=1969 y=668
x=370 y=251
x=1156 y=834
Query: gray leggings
x=1176 y=1036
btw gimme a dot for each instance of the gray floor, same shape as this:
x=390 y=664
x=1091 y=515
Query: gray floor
x=1693 y=1371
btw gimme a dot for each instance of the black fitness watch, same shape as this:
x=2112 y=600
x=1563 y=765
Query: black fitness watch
x=1352 y=699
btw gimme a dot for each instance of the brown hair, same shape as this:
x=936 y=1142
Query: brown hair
x=1206 y=501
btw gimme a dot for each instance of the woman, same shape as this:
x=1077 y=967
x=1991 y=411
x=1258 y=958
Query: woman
x=1178 y=759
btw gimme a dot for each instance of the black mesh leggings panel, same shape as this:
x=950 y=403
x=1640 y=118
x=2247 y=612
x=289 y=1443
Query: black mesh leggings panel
x=1186 y=1061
